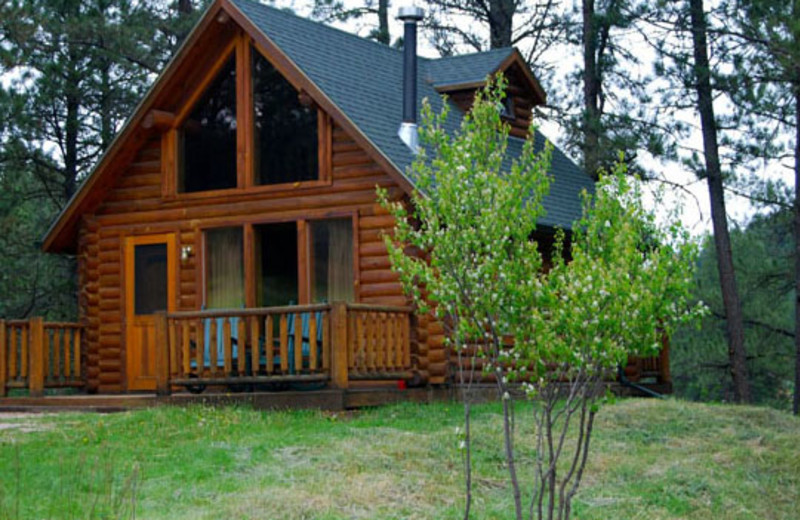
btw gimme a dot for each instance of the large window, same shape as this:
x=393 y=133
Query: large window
x=292 y=263
x=284 y=129
x=332 y=260
x=224 y=268
x=208 y=137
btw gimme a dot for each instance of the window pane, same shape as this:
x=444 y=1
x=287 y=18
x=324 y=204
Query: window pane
x=224 y=268
x=150 y=278
x=276 y=251
x=332 y=261
x=285 y=132
x=208 y=137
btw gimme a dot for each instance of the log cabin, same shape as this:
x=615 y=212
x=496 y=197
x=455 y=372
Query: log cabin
x=230 y=235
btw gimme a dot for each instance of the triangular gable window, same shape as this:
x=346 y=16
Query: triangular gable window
x=208 y=136
x=284 y=128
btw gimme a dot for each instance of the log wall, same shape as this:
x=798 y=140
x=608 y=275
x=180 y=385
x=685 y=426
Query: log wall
x=135 y=205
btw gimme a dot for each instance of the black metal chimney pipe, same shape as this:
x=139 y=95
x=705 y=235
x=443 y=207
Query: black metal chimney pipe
x=408 y=128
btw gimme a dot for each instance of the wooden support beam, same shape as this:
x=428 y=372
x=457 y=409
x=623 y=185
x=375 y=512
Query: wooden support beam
x=36 y=365
x=339 y=345
x=158 y=120
x=162 y=354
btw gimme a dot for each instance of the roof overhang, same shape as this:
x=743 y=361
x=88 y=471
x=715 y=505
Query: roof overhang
x=514 y=59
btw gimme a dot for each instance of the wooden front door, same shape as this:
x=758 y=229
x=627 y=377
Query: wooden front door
x=149 y=288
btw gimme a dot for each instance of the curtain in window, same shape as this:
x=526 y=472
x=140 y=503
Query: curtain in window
x=332 y=268
x=224 y=268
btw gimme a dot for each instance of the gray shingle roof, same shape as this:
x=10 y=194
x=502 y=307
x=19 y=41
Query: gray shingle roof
x=364 y=80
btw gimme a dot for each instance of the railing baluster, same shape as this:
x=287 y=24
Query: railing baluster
x=58 y=336
x=391 y=319
x=312 y=342
x=213 y=345
x=360 y=353
x=242 y=341
x=298 y=343
x=187 y=346
x=269 y=347
x=284 y=338
x=174 y=346
x=371 y=341
x=12 y=353
x=227 y=352
x=67 y=354
x=23 y=349
x=199 y=346
x=254 y=346
x=406 y=341
x=326 y=341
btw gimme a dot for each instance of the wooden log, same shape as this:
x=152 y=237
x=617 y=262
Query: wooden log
x=67 y=354
x=3 y=359
x=199 y=346
x=58 y=339
x=37 y=357
x=158 y=120
x=162 y=347
x=339 y=345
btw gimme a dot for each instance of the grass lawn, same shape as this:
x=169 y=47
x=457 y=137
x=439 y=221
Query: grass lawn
x=650 y=459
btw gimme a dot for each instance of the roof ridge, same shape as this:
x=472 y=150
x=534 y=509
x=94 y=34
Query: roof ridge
x=319 y=23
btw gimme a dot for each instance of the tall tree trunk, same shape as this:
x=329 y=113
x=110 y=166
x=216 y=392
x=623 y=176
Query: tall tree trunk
x=501 y=20
x=796 y=404
x=383 y=35
x=591 y=91
x=719 y=218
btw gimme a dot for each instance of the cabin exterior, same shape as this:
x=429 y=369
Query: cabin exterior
x=231 y=235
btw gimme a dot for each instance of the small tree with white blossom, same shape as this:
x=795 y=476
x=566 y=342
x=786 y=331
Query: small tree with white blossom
x=550 y=338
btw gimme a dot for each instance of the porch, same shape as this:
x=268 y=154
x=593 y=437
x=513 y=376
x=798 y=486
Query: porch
x=314 y=347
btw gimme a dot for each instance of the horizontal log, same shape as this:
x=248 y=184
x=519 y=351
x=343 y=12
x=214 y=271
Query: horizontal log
x=377 y=376
x=374 y=262
x=385 y=300
x=378 y=276
x=379 y=308
x=381 y=289
x=376 y=222
x=372 y=249
x=142 y=179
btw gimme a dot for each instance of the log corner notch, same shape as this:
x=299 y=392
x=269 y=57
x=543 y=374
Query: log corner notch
x=158 y=120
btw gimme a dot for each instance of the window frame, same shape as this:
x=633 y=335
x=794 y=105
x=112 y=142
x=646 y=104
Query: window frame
x=241 y=46
x=304 y=249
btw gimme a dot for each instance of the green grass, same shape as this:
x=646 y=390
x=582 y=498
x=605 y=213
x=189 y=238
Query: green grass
x=650 y=459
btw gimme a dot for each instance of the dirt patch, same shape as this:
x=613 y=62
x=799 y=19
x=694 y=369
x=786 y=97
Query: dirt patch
x=23 y=422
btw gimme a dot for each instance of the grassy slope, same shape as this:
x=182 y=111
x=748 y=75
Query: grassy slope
x=651 y=459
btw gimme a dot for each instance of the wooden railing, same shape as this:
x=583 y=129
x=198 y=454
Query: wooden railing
x=378 y=343
x=334 y=342
x=35 y=354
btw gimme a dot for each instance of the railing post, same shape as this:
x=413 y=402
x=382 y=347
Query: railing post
x=3 y=358
x=339 y=344
x=162 y=354
x=37 y=352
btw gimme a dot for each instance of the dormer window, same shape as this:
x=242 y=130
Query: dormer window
x=284 y=129
x=506 y=108
x=207 y=138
